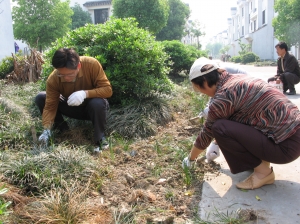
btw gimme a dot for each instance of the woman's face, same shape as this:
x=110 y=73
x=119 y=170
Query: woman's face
x=209 y=91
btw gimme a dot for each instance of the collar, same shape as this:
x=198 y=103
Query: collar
x=223 y=78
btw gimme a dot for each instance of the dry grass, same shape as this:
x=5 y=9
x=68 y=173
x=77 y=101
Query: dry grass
x=64 y=205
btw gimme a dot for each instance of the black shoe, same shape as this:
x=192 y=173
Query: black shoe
x=61 y=127
x=284 y=92
x=101 y=145
x=291 y=93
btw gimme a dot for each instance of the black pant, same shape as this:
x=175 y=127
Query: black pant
x=244 y=147
x=94 y=109
x=288 y=79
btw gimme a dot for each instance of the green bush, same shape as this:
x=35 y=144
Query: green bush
x=6 y=66
x=181 y=56
x=249 y=57
x=133 y=61
x=236 y=59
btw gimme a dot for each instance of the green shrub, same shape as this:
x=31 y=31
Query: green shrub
x=181 y=56
x=236 y=59
x=133 y=61
x=249 y=57
x=6 y=66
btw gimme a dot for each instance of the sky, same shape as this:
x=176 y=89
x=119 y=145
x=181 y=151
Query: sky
x=212 y=14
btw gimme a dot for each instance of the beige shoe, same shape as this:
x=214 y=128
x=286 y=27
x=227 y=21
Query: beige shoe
x=253 y=182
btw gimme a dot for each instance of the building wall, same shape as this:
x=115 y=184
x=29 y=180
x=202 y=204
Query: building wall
x=6 y=30
x=249 y=25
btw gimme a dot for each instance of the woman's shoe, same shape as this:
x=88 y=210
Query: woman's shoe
x=253 y=182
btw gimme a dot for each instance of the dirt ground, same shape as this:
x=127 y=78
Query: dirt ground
x=152 y=183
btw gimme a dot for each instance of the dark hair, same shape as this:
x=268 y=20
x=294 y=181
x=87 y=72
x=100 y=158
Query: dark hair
x=65 y=58
x=212 y=77
x=282 y=45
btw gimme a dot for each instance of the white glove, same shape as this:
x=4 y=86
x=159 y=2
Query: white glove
x=204 y=113
x=44 y=137
x=186 y=162
x=212 y=152
x=76 y=98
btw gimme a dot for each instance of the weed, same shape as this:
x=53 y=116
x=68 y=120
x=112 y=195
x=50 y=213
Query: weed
x=3 y=205
x=65 y=204
x=38 y=172
x=157 y=147
x=122 y=216
x=187 y=176
x=169 y=195
x=157 y=170
x=221 y=218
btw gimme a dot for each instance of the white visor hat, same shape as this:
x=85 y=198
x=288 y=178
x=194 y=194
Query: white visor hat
x=195 y=70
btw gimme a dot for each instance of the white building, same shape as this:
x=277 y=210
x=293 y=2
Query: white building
x=100 y=10
x=6 y=30
x=251 y=21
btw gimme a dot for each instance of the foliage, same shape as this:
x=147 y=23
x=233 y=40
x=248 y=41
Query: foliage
x=178 y=14
x=236 y=59
x=15 y=122
x=195 y=30
x=181 y=56
x=249 y=57
x=287 y=21
x=6 y=66
x=40 y=22
x=3 y=204
x=40 y=170
x=214 y=49
x=245 y=48
x=67 y=204
x=151 y=15
x=80 y=17
x=140 y=119
x=225 y=49
x=133 y=61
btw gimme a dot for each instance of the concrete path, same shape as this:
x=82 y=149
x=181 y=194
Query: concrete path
x=278 y=203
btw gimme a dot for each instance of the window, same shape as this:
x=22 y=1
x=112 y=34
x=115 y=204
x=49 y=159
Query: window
x=254 y=24
x=233 y=22
x=242 y=30
x=101 y=15
x=250 y=5
x=243 y=12
x=264 y=17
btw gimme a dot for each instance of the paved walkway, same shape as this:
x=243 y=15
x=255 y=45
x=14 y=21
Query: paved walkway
x=278 y=203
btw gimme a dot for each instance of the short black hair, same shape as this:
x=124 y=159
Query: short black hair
x=212 y=77
x=65 y=58
x=282 y=45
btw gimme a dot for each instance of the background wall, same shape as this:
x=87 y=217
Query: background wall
x=6 y=30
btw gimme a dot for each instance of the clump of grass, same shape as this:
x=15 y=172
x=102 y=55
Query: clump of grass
x=218 y=217
x=39 y=171
x=65 y=204
x=3 y=204
x=139 y=120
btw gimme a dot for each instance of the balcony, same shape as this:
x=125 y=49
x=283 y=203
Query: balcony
x=253 y=14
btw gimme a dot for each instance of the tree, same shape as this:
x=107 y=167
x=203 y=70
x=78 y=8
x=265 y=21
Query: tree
x=286 y=24
x=214 y=49
x=194 y=29
x=80 y=17
x=151 y=15
x=225 y=49
x=178 y=14
x=40 y=22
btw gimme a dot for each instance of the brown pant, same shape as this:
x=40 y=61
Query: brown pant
x=244 y=147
